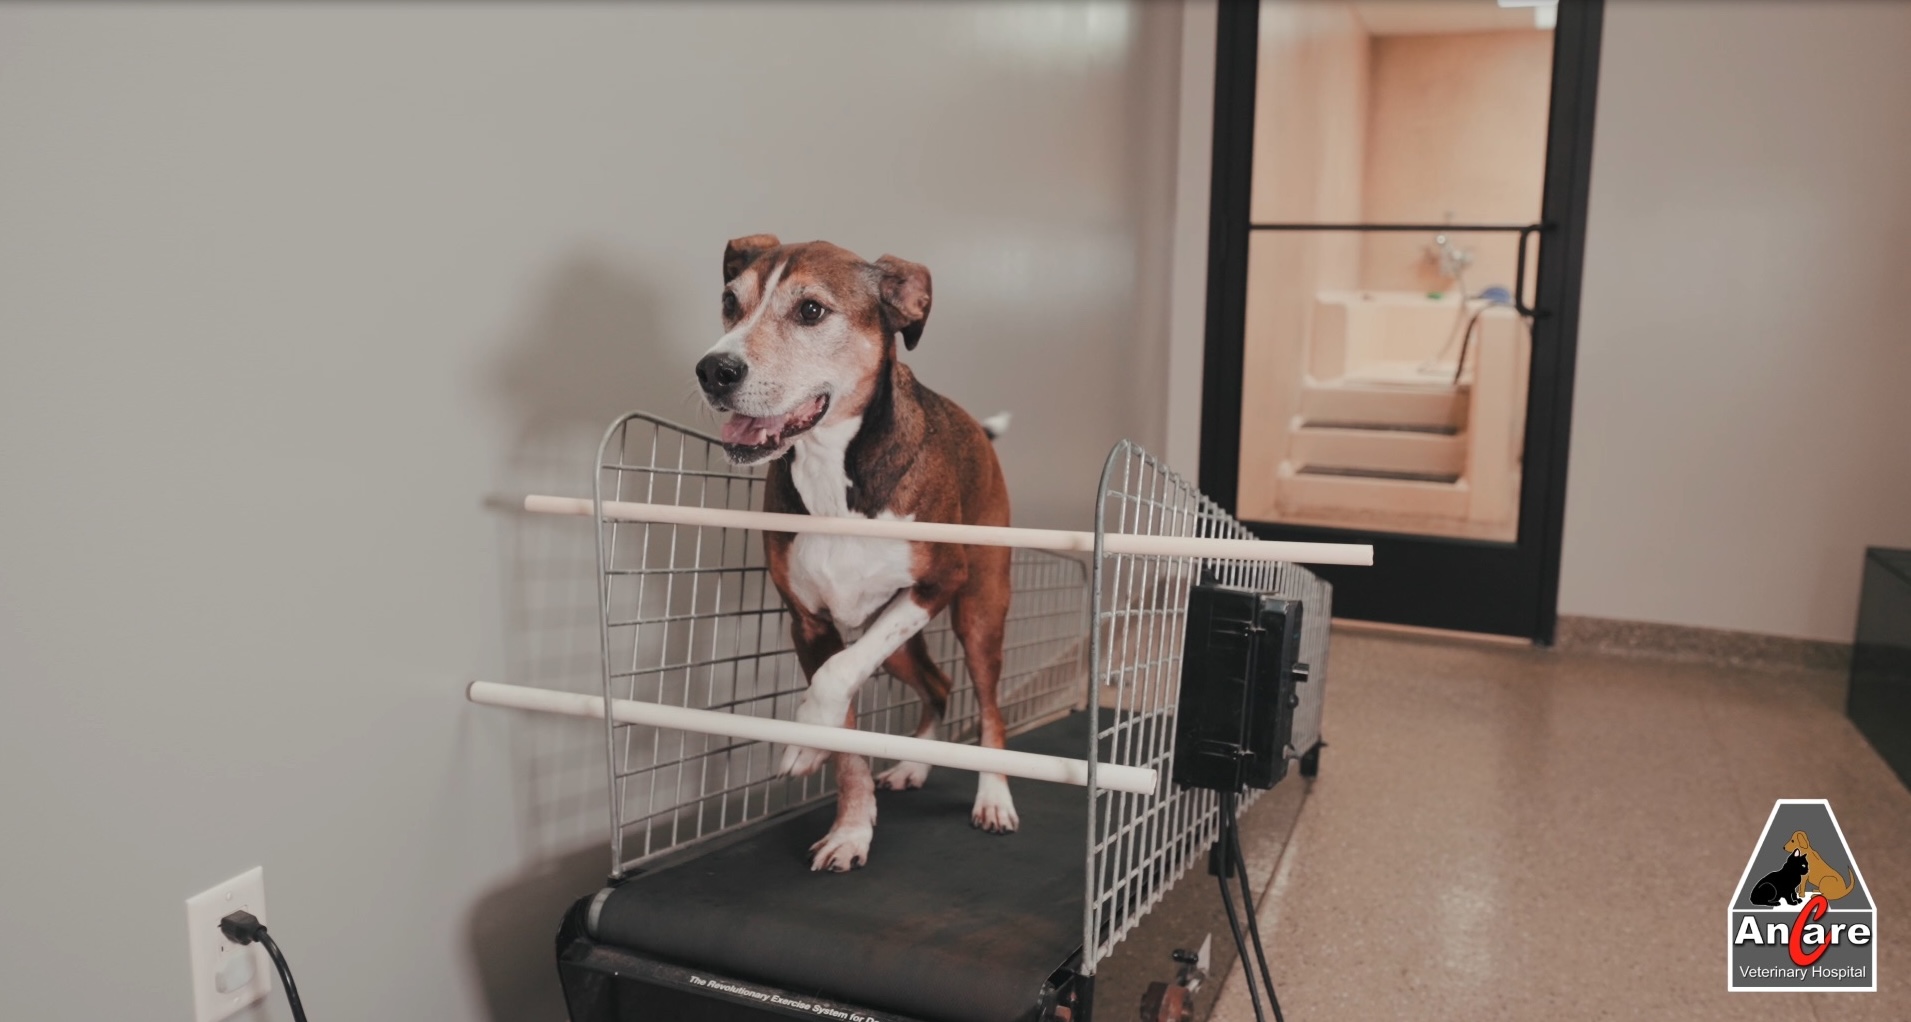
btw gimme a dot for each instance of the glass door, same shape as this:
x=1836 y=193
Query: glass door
x=1398 y=204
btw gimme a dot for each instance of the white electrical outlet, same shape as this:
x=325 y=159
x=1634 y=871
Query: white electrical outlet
x=226 y=976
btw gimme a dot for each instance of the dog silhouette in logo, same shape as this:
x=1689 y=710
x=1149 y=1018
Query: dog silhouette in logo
x=1818 y=872
x=1780 y=886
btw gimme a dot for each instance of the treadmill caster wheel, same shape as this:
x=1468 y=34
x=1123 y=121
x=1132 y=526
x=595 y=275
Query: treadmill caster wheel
x=1310 y=763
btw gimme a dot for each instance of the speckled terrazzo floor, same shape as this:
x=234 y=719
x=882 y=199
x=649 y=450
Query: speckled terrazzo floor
x=1508 y=833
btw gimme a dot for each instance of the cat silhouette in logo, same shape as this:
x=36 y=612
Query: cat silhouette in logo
x=1818 y=872
x=1780 y=886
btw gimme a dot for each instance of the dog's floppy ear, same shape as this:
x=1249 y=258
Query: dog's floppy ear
x=741 y=251
x=905 y=297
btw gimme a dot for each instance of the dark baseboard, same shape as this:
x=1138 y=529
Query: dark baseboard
x=1700 y=645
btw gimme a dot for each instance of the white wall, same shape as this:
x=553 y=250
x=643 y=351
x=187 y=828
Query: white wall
x=288 y=292
x=1456 y=127
x=1742 y=422
x=1188 y=306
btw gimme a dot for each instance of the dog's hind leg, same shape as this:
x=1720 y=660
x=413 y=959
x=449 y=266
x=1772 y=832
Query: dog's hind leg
x=913 y=665
x=980 y=616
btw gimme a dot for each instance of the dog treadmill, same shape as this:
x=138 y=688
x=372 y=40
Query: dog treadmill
x=712 y=913
x=946 y=923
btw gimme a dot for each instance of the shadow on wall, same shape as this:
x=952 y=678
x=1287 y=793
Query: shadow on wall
x=589 y=350
x=513 y=931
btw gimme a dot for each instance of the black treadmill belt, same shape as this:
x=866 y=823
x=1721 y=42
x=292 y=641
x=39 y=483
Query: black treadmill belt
x=946 y=922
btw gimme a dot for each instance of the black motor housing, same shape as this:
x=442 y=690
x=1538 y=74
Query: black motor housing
x=1235 y=716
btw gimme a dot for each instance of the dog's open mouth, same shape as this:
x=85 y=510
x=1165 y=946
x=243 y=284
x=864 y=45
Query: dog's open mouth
x=750 y=438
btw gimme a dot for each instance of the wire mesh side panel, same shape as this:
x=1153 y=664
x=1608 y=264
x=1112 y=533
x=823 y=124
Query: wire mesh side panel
x=1139 y=845
x=691 y=618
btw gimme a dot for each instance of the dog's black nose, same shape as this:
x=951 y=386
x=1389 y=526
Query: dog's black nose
x=720 y=374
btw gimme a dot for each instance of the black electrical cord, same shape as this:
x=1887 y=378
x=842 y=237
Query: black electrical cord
x=1230 y=851
x=1466 y=339
x=1240 y=946
x=243 y=928
x=1254 y=926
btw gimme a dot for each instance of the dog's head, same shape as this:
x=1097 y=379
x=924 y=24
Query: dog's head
x=1799 y=842
x=807 y=329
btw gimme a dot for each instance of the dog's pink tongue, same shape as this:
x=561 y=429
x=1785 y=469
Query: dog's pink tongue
x=751 y=431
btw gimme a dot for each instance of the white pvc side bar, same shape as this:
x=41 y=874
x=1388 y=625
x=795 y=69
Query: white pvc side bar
x=1060 y=770
x=1359 y=554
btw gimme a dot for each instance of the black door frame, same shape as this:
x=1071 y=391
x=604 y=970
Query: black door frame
x=1437 y=582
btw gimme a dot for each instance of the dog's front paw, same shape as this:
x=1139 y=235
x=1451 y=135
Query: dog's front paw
x=903 y=776
x=823 y=712
x=841 y=850
x=799 y=761
x=994 y=809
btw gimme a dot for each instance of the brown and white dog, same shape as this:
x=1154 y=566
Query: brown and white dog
x=807 y=371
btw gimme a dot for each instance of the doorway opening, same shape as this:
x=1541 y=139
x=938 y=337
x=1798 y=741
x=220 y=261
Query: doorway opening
x=1397 y=218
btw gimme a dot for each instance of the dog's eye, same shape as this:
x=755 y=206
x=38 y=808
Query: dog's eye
x=811 y=311
x=731 y=307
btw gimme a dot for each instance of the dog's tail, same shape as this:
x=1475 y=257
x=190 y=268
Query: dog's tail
x=996 y=425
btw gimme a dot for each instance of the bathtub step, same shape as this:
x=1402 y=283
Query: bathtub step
x=1382 y=405
x=1311 y=491
x=1382 y=427
x=1425 y=452
x=1415 y=373
x=1349 y=472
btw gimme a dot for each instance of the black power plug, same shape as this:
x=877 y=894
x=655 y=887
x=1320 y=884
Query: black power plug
x=243 y=928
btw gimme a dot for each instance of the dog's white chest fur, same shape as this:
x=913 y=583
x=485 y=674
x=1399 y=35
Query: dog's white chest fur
x=849 y=577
